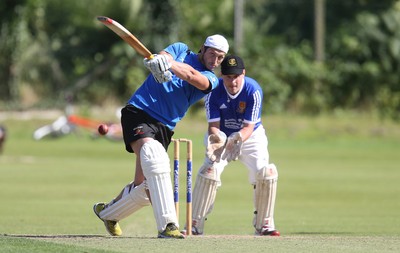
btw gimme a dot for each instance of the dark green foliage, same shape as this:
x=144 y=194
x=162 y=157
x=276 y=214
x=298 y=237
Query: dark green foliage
x=56 y=49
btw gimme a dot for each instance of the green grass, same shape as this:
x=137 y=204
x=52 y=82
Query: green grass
x=338 y=190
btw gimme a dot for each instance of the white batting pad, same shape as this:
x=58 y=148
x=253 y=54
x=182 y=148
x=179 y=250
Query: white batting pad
x=155 y=164
x=204 y=193
x=264 y=197
x=131 y=201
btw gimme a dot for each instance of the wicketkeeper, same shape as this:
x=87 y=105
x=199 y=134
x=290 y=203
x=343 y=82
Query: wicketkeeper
x=235 y=132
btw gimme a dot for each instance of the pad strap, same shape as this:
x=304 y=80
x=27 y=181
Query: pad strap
x=131 y=201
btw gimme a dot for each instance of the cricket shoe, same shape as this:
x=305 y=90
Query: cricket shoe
x=112 y=227
x=271 y=233
x=194 y=231
x=171 y=231
x=265 y=231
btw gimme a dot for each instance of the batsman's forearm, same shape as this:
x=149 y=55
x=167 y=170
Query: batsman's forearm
x=189 y=74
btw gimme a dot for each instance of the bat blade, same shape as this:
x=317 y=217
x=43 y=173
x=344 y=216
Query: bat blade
x=127 y=36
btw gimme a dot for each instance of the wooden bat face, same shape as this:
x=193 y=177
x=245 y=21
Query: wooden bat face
x=128 y=37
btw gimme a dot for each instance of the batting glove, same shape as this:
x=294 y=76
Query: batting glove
x=158 y=64
x=233 y=147
x=163 y=77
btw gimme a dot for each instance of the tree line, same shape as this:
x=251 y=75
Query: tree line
x=55 y=51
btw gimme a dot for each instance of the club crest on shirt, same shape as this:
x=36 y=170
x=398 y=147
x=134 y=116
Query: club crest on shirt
x=241 y=107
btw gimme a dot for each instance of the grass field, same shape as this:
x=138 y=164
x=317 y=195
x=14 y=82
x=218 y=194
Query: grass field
x=338 y=190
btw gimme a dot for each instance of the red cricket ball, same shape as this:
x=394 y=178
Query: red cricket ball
x=103 y=129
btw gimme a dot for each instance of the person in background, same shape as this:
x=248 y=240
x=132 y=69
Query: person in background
x=2 y=137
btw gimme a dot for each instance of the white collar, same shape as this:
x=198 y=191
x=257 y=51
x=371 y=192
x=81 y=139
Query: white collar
x=237 y=94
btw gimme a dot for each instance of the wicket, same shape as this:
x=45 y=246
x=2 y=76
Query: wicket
x=188 y=181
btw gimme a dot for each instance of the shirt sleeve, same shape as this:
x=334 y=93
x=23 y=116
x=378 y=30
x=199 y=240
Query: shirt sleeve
x=253 y=108
x=211 y=107
x=212 y=78
x=176 y=49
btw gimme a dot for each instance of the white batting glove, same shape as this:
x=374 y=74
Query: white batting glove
x=233 y=147
x=215 y=146
x=158 y=64
x=163 y=77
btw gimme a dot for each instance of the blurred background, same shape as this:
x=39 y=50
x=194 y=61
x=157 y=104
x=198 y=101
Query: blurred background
x=329 y=69
x=310 y=56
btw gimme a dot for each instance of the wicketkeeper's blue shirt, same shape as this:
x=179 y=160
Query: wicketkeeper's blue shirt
x=234 y=110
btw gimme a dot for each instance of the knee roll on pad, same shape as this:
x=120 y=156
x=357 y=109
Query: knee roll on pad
x=154 y=159
x=212 y=170
x=267 y=173
x=209 y=171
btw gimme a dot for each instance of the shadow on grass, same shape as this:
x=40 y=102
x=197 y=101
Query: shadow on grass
x=72 y=236
x=322 y=233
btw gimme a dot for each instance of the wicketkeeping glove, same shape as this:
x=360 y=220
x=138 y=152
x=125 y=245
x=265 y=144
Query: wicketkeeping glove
x=158 y=64
x=215 y=146
x=233 y=147
x=165 y=76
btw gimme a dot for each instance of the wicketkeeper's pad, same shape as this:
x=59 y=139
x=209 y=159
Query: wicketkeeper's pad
x=264 y=197
x=204 y=194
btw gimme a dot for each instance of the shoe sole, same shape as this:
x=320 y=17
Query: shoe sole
x=272 y=233
x=170 y=237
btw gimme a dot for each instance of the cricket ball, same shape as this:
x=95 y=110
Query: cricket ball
x=103 y=129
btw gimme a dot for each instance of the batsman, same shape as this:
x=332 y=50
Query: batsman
x=179 y=78
x=235 y=132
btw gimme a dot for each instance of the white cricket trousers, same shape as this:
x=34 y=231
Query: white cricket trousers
x=254 y=155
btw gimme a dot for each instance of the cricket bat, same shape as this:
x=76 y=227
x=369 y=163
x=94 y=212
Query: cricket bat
x=127 y=36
